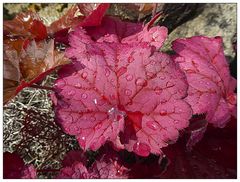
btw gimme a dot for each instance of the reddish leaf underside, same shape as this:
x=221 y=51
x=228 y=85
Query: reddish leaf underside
x=113 y=26
x=215 y=156
x=91 y=15
x=126 y=93
x=29 y=66
x=14 y=168
x=211 y=87
x=69 y=19
x=74 y=156
x=27 y=24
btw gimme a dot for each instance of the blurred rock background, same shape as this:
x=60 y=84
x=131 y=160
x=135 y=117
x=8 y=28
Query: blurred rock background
x=182 y=19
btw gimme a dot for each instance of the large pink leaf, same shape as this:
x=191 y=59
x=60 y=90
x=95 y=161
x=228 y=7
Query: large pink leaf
x=211 y=87
x=126 y=93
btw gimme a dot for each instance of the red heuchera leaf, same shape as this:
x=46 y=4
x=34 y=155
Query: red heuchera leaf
x=61 y=36
x=211 y=87
x=91 y=16
x=207 y=159
x=17 y=44
x=127 y=32
x=29 y=66
x=38 y=29
x=74 y=156
x=74 y=166
x=27 y=24
x=126 y=93
x=76 y=171
x=14 y=168
x=107 y=165
x=93 y=13
x=114 y=26
x=66 y=21
x=29 y=172
x=38 y=58
x=196 y=129
x=148 y=167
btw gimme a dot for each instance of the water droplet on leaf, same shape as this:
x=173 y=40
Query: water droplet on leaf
x=84 y=75
x=84 y=96
x=114 y=114
x=163 y=112
x=95 y=101
x=158 y=90
x=60 y=83
x=112 y=96
x=128 y=92
x=107 y=72
x=152 y=125
x=149 y=75
x=82 y=141
x=121 y=71
x=92 y=118
x=78 y=85
x=129 y=77
x=169 y=84
x=153 y=62
x=141 y=82
x=130 y=59
x=162 y=77
x=141 y=149
x=176 y=121
x=98 y=126
x=67 y=117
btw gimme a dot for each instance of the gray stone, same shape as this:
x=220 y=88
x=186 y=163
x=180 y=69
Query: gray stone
x=215 y=20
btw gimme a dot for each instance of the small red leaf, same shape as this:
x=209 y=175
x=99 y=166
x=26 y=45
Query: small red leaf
x=39 y=30
x=114 y=26
x=66 y=21
x=27 y=24
x=76 y=171
x=74 y=156
x=29 y=66
x=107 y=165
x=196 y=129
x=93 y=13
